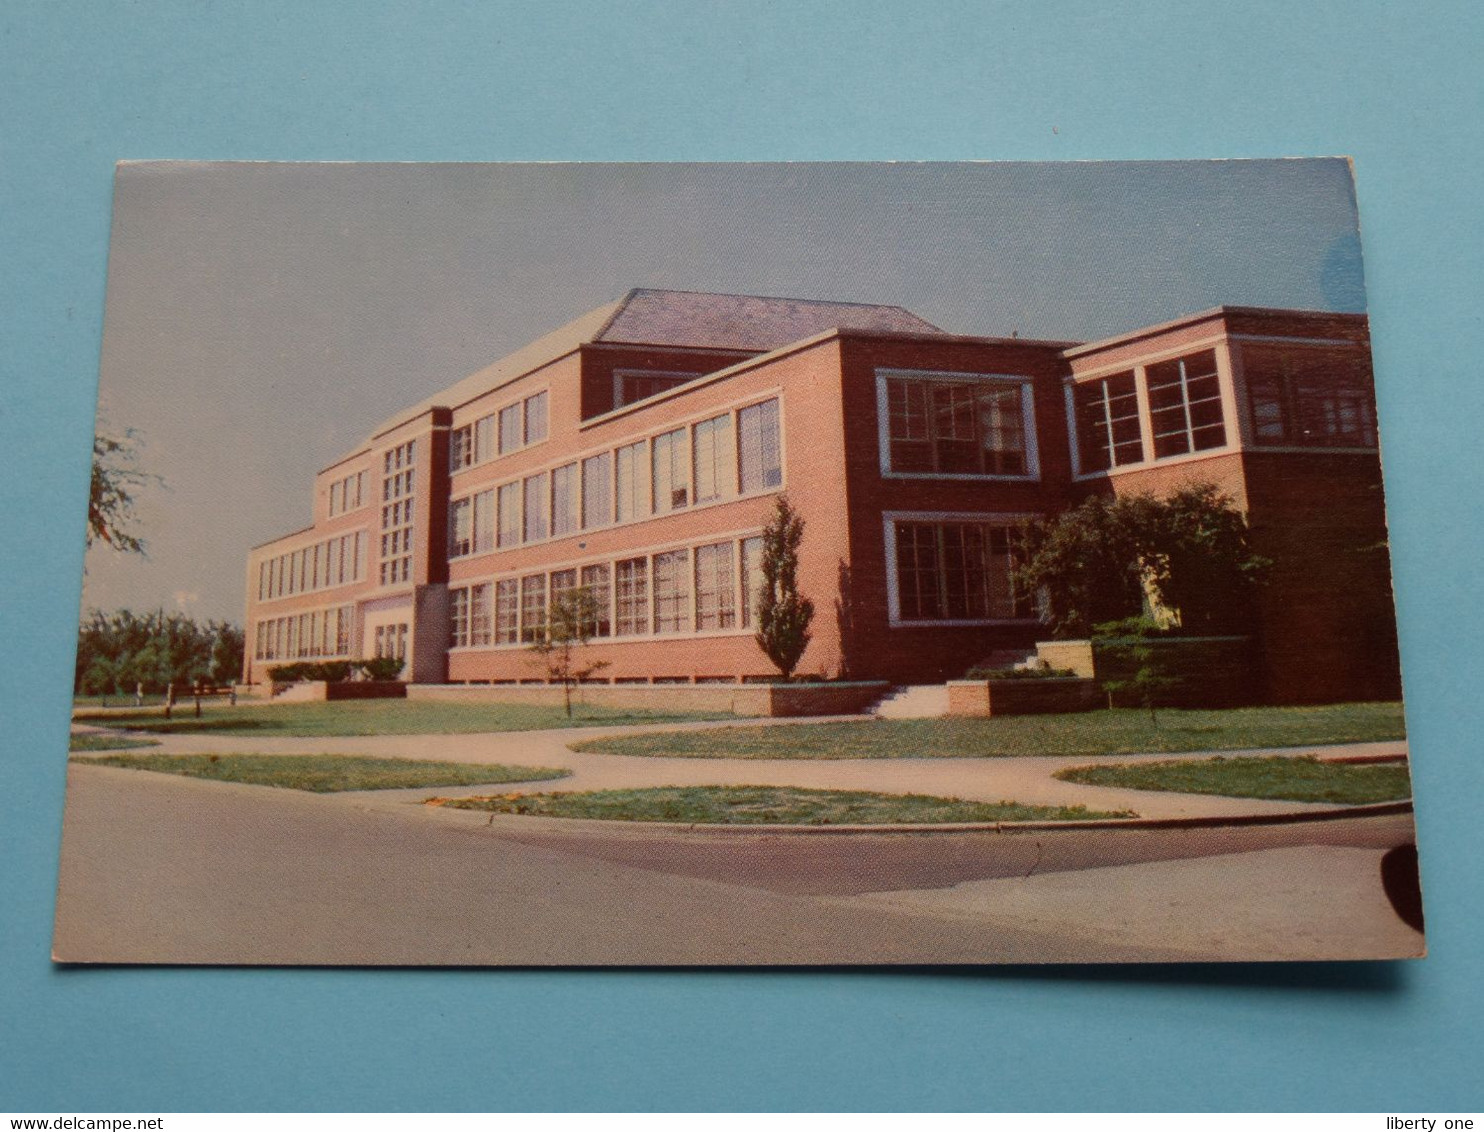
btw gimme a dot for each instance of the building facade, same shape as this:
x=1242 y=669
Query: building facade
x=639 y=451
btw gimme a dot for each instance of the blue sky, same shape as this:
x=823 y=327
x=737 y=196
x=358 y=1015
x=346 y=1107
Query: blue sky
x=263 y=318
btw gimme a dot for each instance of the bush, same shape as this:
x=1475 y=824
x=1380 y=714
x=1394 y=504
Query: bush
x=381 y=667
x=979 y=672
x=333 y=671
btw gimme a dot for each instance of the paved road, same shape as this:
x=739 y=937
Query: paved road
x=157 y=868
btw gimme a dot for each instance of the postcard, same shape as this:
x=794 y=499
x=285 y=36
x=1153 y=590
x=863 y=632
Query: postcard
x=737 y=564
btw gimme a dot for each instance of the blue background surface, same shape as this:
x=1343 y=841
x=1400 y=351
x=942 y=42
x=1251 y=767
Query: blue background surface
x=1397 y=88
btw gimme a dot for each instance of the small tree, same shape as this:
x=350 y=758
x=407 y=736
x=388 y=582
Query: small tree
x=783 y=615
x=571 y=621
x=1145 y=680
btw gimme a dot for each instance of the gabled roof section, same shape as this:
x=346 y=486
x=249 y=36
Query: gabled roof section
x=547 y=348
x=677 y=318
x=745 y=322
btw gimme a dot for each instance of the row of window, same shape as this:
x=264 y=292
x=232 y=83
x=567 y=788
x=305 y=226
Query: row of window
x=691 y=589
x=320 y=633
x=347 y=494
x=1309 y=397
x=507 y=430
x=333 y=562
x=396 y=513
x=714 y=459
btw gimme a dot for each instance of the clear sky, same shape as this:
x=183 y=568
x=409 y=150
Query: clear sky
x=263 y=318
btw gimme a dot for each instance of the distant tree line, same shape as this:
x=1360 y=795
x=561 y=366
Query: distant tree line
x=116 y=652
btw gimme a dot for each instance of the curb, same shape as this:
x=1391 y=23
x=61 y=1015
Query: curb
x=1295 y=817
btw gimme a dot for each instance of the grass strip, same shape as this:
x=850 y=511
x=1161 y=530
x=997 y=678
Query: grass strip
x=327 y=774
x=378 y=717
x=1121 y=731
x=93 y=742
x=767 y=805
x=1303 y=779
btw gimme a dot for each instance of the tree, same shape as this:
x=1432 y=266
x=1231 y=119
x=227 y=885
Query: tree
x=111 y=496
x=1145 y=680
x=1111 y=559
x=571 y=621
x=783 y=615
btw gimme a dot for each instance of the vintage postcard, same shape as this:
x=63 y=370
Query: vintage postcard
x=563 y=564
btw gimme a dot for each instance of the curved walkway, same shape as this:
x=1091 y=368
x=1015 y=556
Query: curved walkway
x=1029 y=781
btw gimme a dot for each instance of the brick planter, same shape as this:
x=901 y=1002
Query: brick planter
x=1035 y=696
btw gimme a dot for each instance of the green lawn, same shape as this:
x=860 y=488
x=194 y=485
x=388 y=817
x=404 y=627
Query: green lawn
x=1122 y=731
x=107 y=743
x=325 y=774
x=377 y=717
x=1302 y=779
x=767 y=805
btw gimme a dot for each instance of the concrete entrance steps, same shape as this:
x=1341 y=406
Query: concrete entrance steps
x=918 y=701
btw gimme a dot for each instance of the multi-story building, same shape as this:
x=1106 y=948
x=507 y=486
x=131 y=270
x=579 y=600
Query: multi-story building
x=638 y=452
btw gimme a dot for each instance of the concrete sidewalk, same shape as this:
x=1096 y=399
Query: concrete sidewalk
x=1029 y=781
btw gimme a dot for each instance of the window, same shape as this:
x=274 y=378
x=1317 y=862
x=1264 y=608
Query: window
x=597 y=581
x=1109 y=431
x=458 y=616
x=535 y=418
x=537 y=504
x=460 y=527
x=343 y=630
x=511 y=429
x=759 y=456
x=532 y=608
x=752 y=578
x=597 y=490
x=955 y=572
x=957 y=426
x=633 y=482
x=484 y=438
x=563 y=500
x=563 y=583
x=1185 y=405
x=635 y=385
x=396 y=514
x=460 y=448
x=1310 y=397
x=632 y=589
x=345 y=493
x=672 y=592
x=671 y=482
x=484 y=521
x=509 y=496
x=507 y=612
x=479 y=614
x=715 y=456
x=716 y=587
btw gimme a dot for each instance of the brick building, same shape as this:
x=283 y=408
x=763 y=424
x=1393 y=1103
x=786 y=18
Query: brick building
x=638 y=451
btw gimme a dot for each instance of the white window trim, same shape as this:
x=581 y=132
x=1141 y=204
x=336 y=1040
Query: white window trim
x=1028 y=423
x=889 y=521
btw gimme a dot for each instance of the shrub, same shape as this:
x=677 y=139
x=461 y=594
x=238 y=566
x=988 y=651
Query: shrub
x=979 y=672
x=381 y=667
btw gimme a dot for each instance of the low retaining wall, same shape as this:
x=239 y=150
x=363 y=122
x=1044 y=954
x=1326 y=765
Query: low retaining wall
x=1197 y=671
x=739 y=699
x=316 y=691
x=1030 y=696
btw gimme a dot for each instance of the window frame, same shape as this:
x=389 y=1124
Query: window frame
x=1024 y=382
x=889 y=521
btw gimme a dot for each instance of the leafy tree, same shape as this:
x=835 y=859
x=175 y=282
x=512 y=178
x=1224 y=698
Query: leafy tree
x=1112 y=558
x=111 y=496
x=571 y=621
x=118 y=651
x=783 y=615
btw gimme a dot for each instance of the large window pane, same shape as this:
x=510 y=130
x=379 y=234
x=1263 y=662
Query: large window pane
x=716 y=587
x=956 y=572
x=507 y=611
x=564 y=500
x=532 y=607
x=537 y=504
x=597 y=490
x=632 y=593
x=633 y=482
x=715 y=459
x=671 y=487
x=535 y=418
x=1109 y=431
x=598 y=583
x=672 y=592
x=509 y=503
x=1185 y=412
x=956 y=427
x=759 y=453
